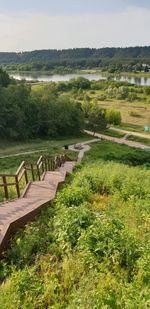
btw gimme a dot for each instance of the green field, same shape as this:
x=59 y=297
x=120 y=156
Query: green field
x=50 y=146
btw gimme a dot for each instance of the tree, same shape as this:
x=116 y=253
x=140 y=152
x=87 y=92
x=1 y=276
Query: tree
x=96 y=118
x=4 y=78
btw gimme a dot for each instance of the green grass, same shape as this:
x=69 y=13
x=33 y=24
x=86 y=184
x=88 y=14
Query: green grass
x=142 y=140
x=110 y=151
x=90 y=249
x=112 y=133
x=131 y=127
x=51 y=148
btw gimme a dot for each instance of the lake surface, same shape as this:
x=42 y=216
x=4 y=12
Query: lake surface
x=138 y=80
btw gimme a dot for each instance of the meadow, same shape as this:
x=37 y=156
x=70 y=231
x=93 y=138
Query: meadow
x=90 y=248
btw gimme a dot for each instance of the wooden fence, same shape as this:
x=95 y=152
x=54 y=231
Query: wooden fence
x=36 y=171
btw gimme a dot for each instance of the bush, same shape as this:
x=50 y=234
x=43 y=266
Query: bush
x=113 y=116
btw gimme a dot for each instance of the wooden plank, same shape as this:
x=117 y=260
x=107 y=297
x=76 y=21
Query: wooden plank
x=37 y=194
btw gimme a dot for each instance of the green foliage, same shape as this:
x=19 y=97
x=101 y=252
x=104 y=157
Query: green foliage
x=26 y=114
x=147 y=90
x=88 y=250
x=96 y=117
x=110 y=59
x=4 y=78
x=95 y=255
x=113 y=116
x=109 y=151
x=71 y=223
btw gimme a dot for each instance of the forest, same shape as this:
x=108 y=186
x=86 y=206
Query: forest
x=112 y=59
x=26 y=114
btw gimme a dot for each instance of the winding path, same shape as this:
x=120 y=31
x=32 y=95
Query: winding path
x=138 y=134
x=118 y=140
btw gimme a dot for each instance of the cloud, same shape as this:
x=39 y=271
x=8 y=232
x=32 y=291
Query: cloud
x=41 y=31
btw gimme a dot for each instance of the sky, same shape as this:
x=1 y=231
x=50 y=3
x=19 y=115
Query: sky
x=48 y=24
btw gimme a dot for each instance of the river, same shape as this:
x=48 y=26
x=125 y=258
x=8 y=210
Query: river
x=138 y=80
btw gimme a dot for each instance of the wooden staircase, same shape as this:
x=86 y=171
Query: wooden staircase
x=37 y=194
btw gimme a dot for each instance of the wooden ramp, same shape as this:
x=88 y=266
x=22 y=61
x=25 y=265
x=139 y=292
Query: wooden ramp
x=16 y=213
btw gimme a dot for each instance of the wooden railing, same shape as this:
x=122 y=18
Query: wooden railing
x=30 y=172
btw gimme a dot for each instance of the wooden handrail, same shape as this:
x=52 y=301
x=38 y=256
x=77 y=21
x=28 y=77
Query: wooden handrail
x=44 y=163
x=20 y=168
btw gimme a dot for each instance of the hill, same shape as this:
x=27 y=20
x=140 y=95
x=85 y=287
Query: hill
x=90 y=248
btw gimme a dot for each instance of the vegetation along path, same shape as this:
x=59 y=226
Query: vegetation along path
x=117 y=140
x=36 y=195
x=130 y=132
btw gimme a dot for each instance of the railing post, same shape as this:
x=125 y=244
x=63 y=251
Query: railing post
x=17 y=186
x=42 y=166
x=45 y=164
x=25 y=174
x=32 y=171
x=5 y=187
x=49 y=165
x=38 y=172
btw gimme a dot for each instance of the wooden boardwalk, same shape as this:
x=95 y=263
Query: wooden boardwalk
x=14 y=214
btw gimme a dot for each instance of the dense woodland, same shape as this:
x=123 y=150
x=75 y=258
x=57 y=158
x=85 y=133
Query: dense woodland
x=26 y=114
x=111 y=59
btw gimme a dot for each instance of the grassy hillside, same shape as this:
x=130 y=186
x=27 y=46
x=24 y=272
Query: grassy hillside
x=90 y=248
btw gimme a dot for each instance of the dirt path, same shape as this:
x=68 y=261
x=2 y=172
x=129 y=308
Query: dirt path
x=118 y=140
x=130 y=132
x=22 y=153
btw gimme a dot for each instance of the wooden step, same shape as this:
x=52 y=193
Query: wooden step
x=68 y=167
x=14 y=214
x=55 y=177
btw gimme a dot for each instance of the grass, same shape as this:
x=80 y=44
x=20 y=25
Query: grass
x=130 y=110
x=142 y=140
x=112 y=133
x=50 y=147
x=90 y=249
x=131 y=127
x=110 y=151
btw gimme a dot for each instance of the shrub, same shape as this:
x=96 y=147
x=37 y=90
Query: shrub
x=113 y=116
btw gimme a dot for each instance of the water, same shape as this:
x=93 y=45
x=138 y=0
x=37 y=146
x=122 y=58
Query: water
x=138 y=80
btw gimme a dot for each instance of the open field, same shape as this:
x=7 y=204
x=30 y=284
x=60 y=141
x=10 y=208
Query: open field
x=136 y=112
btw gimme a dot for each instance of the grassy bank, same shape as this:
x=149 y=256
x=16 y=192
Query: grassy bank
x=90 y=248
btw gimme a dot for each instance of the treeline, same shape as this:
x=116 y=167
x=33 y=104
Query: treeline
x=27 y=114
x=78 y=58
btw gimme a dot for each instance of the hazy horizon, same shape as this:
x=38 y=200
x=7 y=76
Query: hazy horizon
x=68 y=48
x=34 y=25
